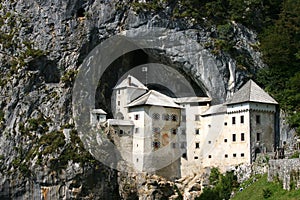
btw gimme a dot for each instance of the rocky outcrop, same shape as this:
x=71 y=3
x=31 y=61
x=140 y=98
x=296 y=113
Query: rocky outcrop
x=285 y=171
x=43 y=44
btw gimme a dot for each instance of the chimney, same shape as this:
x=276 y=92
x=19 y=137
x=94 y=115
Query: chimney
x=129 y=80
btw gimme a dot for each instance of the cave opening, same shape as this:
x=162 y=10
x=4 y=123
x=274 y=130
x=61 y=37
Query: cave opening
x=124 y=65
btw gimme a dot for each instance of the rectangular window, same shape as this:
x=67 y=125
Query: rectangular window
x=234 y=155
x=225 y=140
x=174 y=145
x=119 y=91
x=197 y=117
x=226 y=156
x=197 y=132
x=257 y=119
x=209 y=156
x=165 y=117
x=196 y=157
x=258 y=137
x=183 y=132
x=173 y=131
x=184 y=155
x=183 y=145
x=119 y=103
x=197 y=145
x=136 y=117
x=136 y=130
x=242 y=155
x=174 y=118
x=242 y=119
x=233 y=120
x=183 y=118
x=233 y=137
x=242 y=136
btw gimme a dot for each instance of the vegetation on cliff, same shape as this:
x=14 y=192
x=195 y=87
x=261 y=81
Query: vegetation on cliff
x=260 y=188
x=278 y=26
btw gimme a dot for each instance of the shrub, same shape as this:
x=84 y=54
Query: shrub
x=267 y=193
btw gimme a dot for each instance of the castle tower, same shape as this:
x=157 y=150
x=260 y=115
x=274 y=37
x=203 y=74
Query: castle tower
x=125 y=92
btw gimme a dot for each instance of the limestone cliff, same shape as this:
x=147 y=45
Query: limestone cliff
x=43 y=44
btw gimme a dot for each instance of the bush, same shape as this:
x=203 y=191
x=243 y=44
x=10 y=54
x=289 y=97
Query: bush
x=267 y=193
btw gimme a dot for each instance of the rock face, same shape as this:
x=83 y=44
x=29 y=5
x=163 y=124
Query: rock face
x=45 y=44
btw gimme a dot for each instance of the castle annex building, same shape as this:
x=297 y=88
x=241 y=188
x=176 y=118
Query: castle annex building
x=177 y=136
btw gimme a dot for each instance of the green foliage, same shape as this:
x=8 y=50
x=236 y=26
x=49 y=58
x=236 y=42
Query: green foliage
x=17 y=52
x=223 y=185
x=52 y=142
x=1 y=115
x=256 y=191
x=69 y=77
x=74 y=151
x=267 y=193
x=295 y=155
x=36 y=124
x=280 y=44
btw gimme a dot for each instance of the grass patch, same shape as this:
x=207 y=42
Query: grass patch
x=262 y=189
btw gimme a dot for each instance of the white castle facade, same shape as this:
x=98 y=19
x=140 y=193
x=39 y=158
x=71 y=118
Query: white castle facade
x=176 y=137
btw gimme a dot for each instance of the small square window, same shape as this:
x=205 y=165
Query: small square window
x=197 y=117
x=136 y=130
x=225 y=140
x=174 y=118
x=225 y=123
x=183 y=132
x=242 y=155
x=209 y=156
x=184 y=155
x=197 y=131
x=155 y=130
x=226 y=155
x=174 y=145
x=166 y=117
x=156 y=144
x=197 y=145
x=209 y=142
x=183 y=145
x=173 y=131
x=155 y=116
x=234 y=155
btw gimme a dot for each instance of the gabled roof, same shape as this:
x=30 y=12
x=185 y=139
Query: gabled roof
x=98 y=111
x=251 y=92
x=216 y=109
x=154 y=98
x=132 y=82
